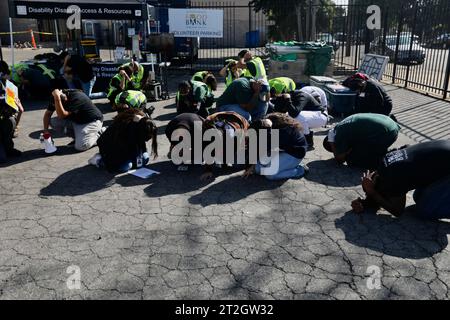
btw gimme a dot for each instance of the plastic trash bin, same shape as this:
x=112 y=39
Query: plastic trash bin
x=341 y=99
x=252 y=39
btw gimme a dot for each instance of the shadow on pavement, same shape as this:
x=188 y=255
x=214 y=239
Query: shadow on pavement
x=80 y=181
x=35 y=154
x=330 y=173
x=233 y=189
x=407 y=237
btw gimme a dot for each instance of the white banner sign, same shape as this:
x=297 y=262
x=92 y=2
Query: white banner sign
x=196 y=23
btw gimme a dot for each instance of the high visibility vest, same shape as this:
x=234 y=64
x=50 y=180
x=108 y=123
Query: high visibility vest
x=199 y=76
x=261 y=73
x=282 y=85
x=136 y=77
x=134 y=99
x=47 y=72
x=18 y=68
x=113 y=89
x=230 y=77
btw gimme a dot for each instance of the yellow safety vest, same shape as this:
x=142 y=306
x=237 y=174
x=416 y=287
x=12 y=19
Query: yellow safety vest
x=46 y=71
x=261 y=73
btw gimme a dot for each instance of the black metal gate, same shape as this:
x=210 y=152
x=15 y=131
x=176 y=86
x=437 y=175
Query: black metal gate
x=414 y=34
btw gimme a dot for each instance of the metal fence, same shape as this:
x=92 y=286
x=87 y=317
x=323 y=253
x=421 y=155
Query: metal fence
x=414 y=34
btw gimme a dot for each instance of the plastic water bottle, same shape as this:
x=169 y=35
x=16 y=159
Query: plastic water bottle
x=41 y=139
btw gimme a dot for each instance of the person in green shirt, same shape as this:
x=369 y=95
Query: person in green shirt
x=362 y=140
x=281 y=85
x=247 y=97
x=194 y=97
x=119 y=83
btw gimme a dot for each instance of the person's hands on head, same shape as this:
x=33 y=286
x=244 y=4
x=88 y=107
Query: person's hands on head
x=57 y=93
x=358 y=206
x=256 y=86
x=124 y=74
x=368 y=182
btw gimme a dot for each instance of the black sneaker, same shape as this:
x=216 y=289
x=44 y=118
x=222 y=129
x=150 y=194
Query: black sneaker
x=310 y=140
x=71 y=143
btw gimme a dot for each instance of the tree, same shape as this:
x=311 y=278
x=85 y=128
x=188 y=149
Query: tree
x=285 y=13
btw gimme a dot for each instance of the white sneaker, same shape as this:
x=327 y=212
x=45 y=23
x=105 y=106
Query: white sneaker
x=95 y=160
x=49 y=146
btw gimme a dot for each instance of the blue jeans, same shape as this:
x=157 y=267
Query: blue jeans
x=129 y=165
x=88 y=86
x=260 y=111
x=433 y=202
x=257 y=113
x=288 y=167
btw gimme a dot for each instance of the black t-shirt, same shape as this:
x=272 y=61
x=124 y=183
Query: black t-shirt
x=186 y=121
x=119 y=145
x=414 y=168
x=82 y=109
x=376 y=99
x=291 y=140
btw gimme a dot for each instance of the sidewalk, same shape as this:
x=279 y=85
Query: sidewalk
x=175 y=237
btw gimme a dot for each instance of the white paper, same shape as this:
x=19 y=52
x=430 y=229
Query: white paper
x=143 y=173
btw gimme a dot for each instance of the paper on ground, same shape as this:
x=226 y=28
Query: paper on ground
x=143 y=173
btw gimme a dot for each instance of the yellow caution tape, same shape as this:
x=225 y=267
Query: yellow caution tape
x=23 y=32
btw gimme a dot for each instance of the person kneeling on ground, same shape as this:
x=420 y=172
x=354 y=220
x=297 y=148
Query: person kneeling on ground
x=77 y=116
x=119 y=83
x=362 y=140
x=424 y=168
x=194 y=97
x=8 y=121
x=247 y=97
x=137 y=75
x=373 y=98
x=123 y=146
x=281 y=85
x=305 y=107
x=185 y=125
x=132 y=99
x=231 y=72
x=292 y=145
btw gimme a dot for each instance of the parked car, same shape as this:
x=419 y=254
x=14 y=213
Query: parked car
x=417 y=54
x=329 y=40
x=340 y=36
x=440 y=42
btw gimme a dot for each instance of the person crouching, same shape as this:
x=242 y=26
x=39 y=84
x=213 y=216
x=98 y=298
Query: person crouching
x=123 y=146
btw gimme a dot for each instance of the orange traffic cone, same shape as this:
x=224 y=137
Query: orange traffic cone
x=33 y=41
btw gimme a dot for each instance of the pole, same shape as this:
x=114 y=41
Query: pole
x=1 y=52
x=57 y=32
x=11 y=37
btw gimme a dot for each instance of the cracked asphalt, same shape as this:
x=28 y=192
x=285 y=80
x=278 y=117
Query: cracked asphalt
x=173 y=237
